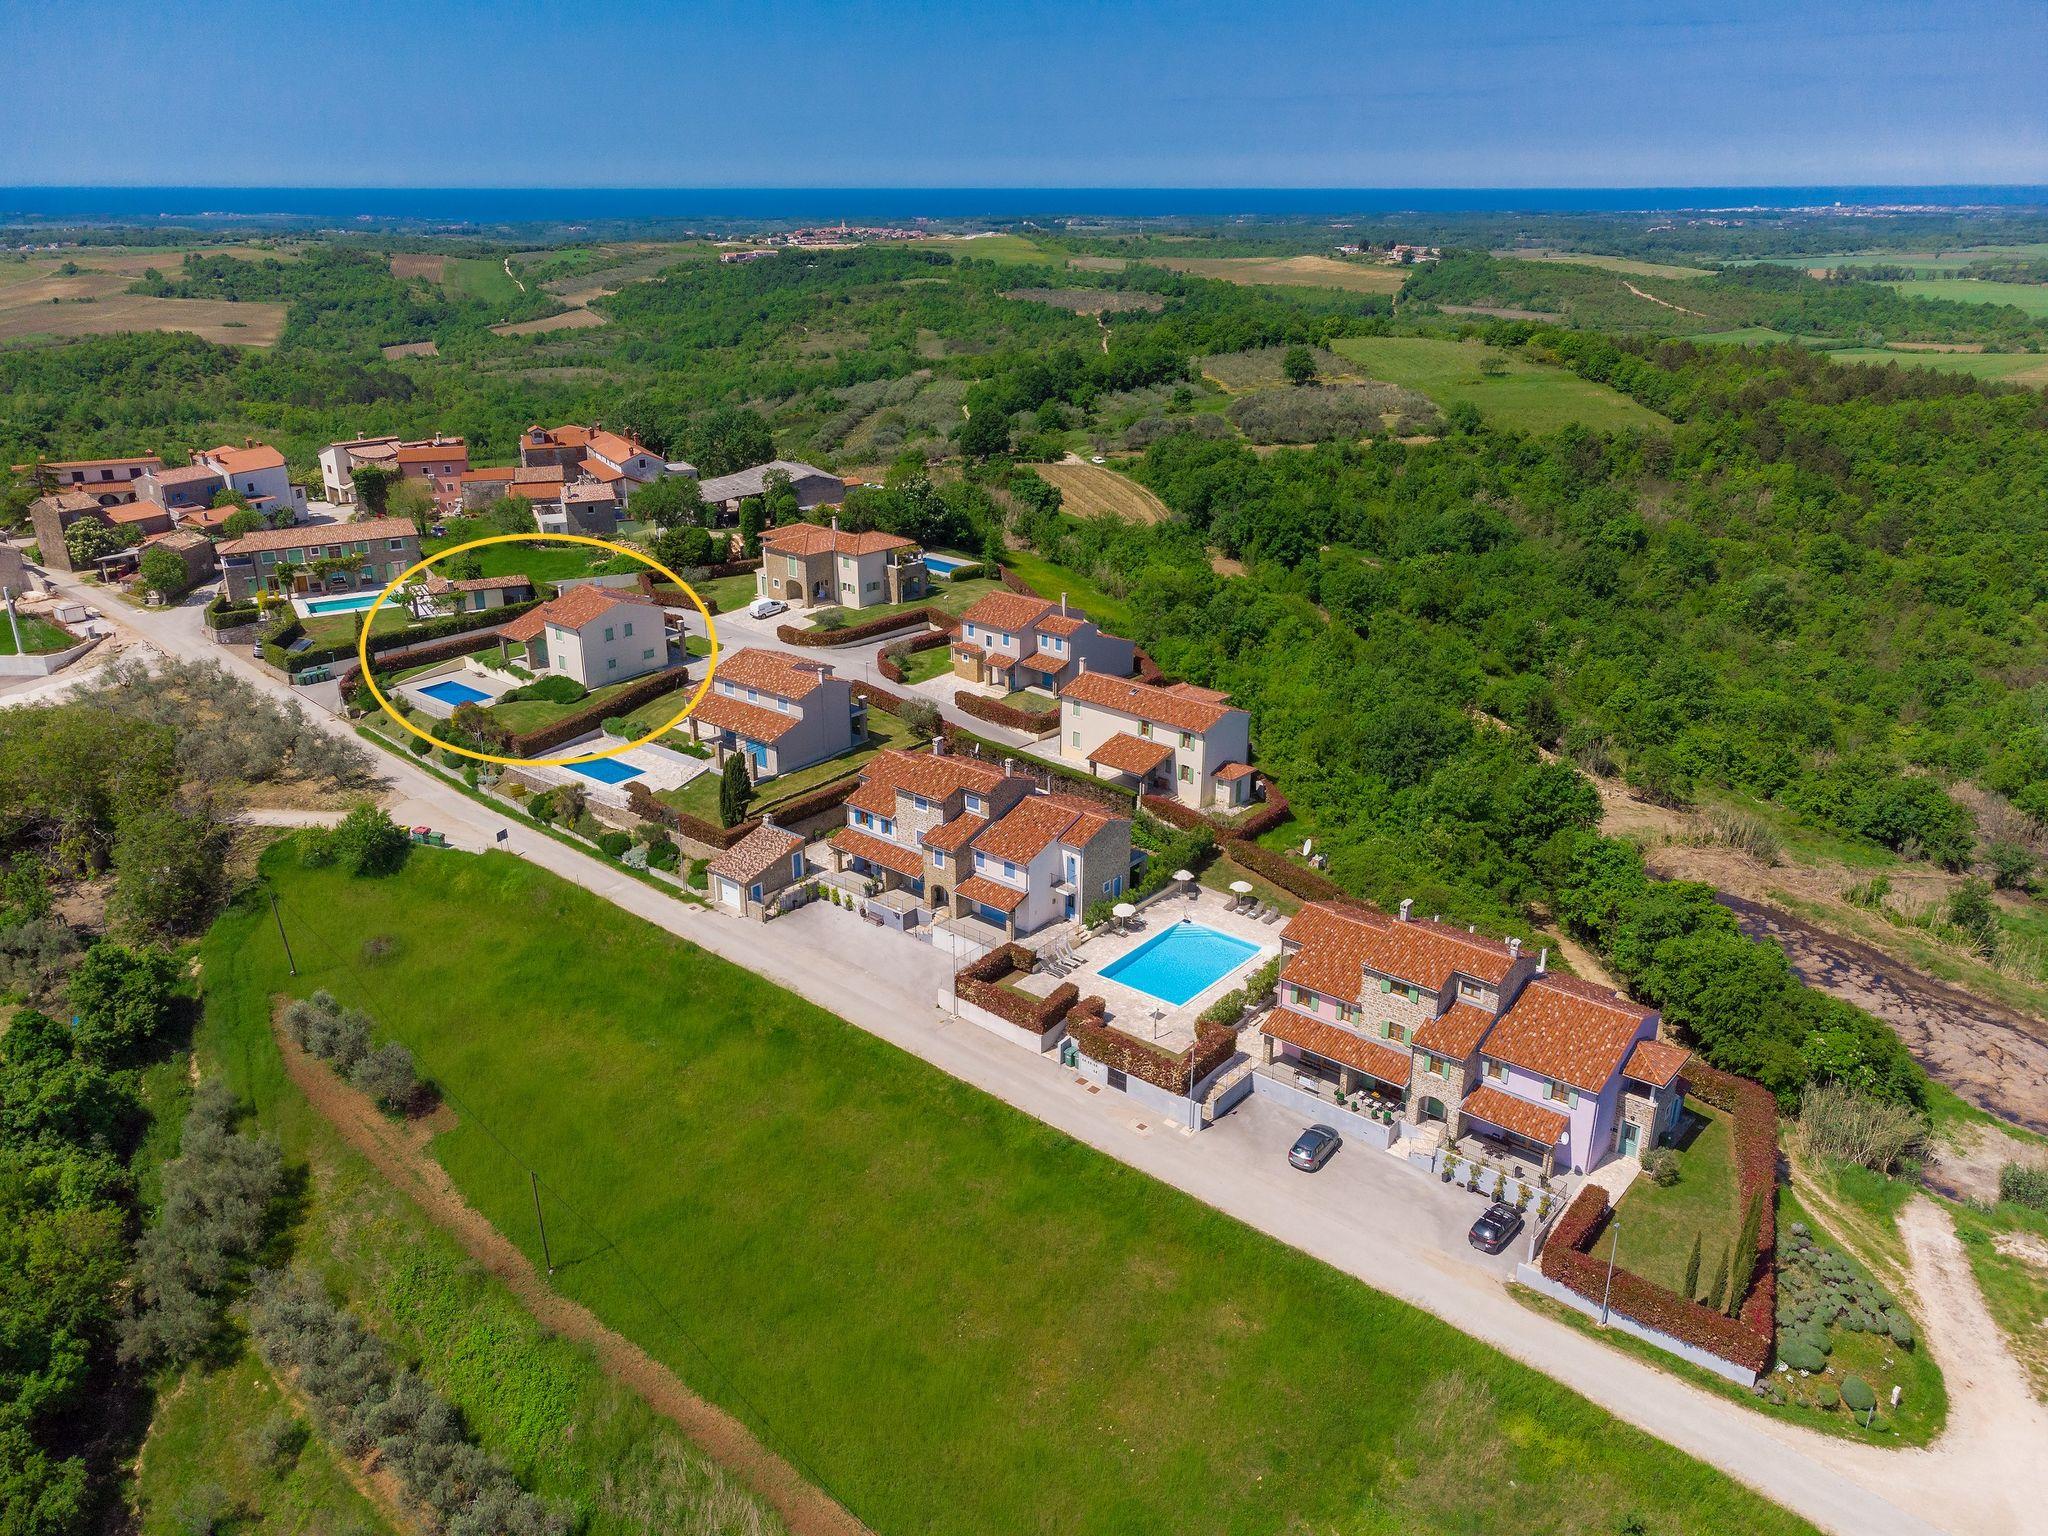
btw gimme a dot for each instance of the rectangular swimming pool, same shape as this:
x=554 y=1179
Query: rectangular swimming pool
x=354 y=602
x=455 y=693
x=944 y=565
x=1181 y=962
x=606 y=770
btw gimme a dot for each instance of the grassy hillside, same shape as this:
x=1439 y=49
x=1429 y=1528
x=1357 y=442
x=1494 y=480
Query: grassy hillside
x=1527 y=396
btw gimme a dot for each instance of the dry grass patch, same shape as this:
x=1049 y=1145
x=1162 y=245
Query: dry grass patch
x=406 y=265
x=567 y=320
x=1288 y=272
x=1091 y=490
x=95 y=303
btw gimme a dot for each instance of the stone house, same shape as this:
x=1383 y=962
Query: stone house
x=814 y=487
x=749 y=875
x=1174 y=738
x=110 y=481
x=324 y=558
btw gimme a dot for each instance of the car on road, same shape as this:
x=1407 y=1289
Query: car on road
x=766 y=607
x=1313 y=1148
x=1098 y=459
x=1496 y=1229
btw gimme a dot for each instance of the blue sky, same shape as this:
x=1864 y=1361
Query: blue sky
x=1152 y=93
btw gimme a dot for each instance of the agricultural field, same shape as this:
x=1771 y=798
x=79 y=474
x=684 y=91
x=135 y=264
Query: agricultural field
x=1088 y=301
x=988 y=247
x=2029 y=368
x=1606 y=263
x=39 y=300
x=1091 y=490
x=1527 y=396
x=1289 y=272
x=2031 y=297
x=1259 y=368
x=567 y=320
x=484 y=278
x=893 y=1292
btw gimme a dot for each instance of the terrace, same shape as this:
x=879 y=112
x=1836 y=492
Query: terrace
x=1141 y=1013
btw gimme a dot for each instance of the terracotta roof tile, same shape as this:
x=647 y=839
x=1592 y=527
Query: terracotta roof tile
x=312 y=535
x=1161 y=706
x=1060 y=623
x=1332 y=943
x=242 y=461
x=1427 y=954
x=1539 y=1122
x=1385 y=1062
x=907 y=862
x=1130 y=754
x=748 y=720
x=1230 y=771
x=809 y=539
x=776 y=672
x=580 y=605
x=985 y=892
x=1006 y=611
x=1656 y=1062
x=935 y=775
x=1038 y=821
x=1042 y=663
x=1568 y=1029
x=952 y=836
x=754 y=854
x=1456 y=1032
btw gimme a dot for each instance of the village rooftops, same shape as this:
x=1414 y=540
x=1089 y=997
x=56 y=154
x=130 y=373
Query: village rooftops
x=143 y=460
x=754 y=481
x=1038 y=821
x=1428 y=954
x=1567 y=1029
x=317 y=535
x=776 y=672
x=1656 y=1062
x=802 y=539
x=1007 y=611
x=1147 y=701
x=615 y=446
x=71 y=501
x=756 y=853
x=184 y=474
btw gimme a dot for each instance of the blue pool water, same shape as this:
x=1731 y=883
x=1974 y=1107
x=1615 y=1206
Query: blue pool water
x=455 y=693
x=944 y=565
x=606 y=770
x=355 y=602
x=1180 y=962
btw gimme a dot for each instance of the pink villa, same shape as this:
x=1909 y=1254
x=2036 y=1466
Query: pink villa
x=1449 y=1027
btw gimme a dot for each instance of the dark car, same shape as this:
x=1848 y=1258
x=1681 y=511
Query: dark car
x=1496 y=1229
x=1313 y=1147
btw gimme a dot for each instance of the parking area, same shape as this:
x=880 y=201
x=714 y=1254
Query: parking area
x=1360 y=1186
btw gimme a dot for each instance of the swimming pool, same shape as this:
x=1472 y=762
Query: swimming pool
x=944 y=565
x=455 y=693
x=1180 y=962
x=606 y=770
x=354 y=602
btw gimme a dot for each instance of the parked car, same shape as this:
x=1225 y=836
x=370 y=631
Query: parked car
x=1098 y=459
x=1497 y=1228
x=1313 y=1148
x=766 y=607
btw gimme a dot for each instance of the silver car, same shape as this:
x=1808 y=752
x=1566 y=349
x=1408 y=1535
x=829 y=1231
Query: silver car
x=1313 y=1148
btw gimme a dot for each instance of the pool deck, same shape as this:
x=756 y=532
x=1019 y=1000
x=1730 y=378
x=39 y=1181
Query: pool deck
x=660 y=768
x=491 y=683
x=1139 y=1013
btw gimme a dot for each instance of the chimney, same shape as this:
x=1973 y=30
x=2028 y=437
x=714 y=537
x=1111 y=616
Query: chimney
x=1009 y=765
x=1082 y=663
x=835 y=522
x=939 y=745
x=767 y=818
x=1063 y=605
x=248 y=442
x=1543 y=960
x=1405 y=905
x=1514 y=949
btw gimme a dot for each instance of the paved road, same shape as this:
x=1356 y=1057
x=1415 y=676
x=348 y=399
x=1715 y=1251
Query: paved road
x=1381 y=1225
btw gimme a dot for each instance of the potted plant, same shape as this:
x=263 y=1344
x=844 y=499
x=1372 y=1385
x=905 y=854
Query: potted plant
x=1450 y=1168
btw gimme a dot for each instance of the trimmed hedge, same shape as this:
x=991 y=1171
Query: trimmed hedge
x=1176 y=1071
x=412 y=634
x=996 y=712
x=222 y=614
x=591 y=716
x=854 y=634
x=885 y=659
x=447 y=650
x=1295 y=879
x=983 y=984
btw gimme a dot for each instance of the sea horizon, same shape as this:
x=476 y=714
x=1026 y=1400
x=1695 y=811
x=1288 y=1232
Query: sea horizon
x=556 y=205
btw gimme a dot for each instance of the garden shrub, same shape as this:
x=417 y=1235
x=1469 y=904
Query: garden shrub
x=388 y=1076
x=368 y=842
x=1800 y=1355
x=1662 y=1167
x=2024 y=1184
x=552 y=689
x=1856 y=1394
x=615 y=844
x=1825 y=1396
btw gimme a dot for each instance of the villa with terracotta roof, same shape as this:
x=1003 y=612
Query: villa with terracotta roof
x=110 y=481
x=1457 y=1028
x=438 y=462
x=613 y=459
x=183 y=490
x=1014 y=641
x=781 y=712
x=256 y=471
x=596 y=635
x=1168 y=739
x=319 y=558
x=437 y=596
x=807 y=566
x=974 y=840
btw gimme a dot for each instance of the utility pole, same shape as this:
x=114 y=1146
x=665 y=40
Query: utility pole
x=547 y=1257
x=1608 y=1289
x=274 y=912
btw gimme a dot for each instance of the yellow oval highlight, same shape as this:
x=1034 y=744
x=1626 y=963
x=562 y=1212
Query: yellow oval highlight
x=696 y=698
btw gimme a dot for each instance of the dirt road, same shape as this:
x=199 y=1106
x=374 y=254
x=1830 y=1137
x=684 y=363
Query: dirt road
x=1996 y=1057
x=399 y=1152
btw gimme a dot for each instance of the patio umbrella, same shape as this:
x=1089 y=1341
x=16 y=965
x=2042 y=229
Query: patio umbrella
x=1123 y=911
x=1240 y=889
x=1183 y=875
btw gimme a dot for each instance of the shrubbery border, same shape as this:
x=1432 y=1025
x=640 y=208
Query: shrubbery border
x=854 y=634
x=1178 y=1072
x=982 y=984
x=996 y=712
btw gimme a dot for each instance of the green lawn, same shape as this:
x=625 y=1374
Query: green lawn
x=526 y=715
x=727 y=593
x=536 y=559
x=340 y=628
x=947 y=596
x=204 y=1436
x=479 y=277
x=958 y=1319
x=699 y=797
x=1656 y=1225
x=38 y=636
x=923 y=666
x=1049 y=580
x=1527 y=396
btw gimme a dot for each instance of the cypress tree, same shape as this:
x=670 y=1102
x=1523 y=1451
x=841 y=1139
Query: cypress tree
x=735 y=790
x=1717 y=1293
x=1692 y=1270
x=1745 y=1253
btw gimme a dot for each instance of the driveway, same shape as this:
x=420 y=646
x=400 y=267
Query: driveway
x=1379 y=1226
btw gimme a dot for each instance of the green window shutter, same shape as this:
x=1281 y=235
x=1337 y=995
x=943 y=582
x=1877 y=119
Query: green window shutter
x=1572 y=1097
x=1414 y=994
x=1386 y=985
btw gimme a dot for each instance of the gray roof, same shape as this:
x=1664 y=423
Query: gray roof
x=752 y=482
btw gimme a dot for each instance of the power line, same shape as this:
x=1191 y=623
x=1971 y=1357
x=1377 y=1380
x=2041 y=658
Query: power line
x=605 y=1240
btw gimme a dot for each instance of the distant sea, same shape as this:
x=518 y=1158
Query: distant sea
x=557 y=205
